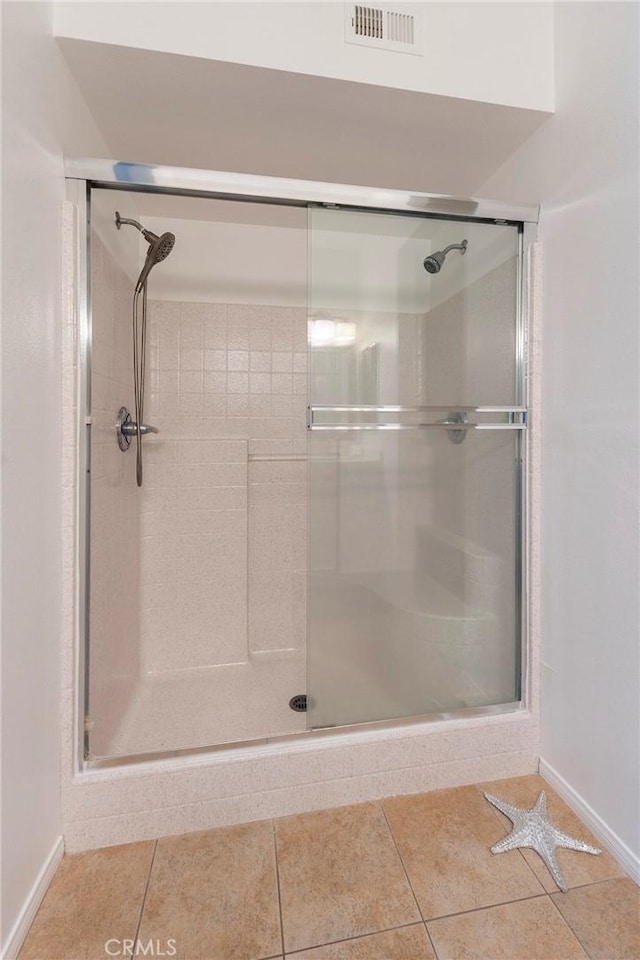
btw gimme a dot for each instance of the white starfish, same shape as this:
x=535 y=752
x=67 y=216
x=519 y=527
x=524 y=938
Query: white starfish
x=532 y=828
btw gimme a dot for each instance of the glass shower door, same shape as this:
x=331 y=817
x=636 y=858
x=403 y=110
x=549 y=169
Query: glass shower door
x=415 y=427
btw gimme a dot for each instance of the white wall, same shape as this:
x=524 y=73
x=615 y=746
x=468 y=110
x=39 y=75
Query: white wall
x=583 y=166
x=496 y=52
x=42 y=114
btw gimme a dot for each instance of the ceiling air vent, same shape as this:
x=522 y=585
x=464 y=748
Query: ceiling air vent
x=388 y=26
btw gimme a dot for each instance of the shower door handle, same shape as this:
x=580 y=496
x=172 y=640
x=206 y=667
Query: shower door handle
x=456 y=422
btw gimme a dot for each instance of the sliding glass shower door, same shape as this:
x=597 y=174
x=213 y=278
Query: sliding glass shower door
x=415 y=426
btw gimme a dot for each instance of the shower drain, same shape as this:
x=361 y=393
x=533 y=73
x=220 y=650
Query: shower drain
x=299 y=703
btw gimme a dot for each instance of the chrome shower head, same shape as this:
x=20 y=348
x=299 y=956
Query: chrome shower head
x=433 y=263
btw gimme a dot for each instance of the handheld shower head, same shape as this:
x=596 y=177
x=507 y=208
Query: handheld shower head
x=433 y=263
x=159 y=249
x=159 y=246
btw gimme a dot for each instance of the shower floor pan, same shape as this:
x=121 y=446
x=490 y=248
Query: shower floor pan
x=406 y=646
x=186 y=709
x=382 y=646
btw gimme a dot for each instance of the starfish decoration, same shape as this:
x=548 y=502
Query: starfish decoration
x=532 y=828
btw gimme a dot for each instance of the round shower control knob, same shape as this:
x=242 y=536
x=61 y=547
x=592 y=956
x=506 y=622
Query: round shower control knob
x=126 y=428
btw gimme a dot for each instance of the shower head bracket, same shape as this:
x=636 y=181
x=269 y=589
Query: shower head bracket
x=134 y=223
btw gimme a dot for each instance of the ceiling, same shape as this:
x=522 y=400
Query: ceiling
x=163 y=108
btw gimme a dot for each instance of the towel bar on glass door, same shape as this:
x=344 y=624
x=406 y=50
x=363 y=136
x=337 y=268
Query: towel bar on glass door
x=517 y=418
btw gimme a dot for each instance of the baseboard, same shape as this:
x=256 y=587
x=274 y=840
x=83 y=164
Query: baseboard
x=16 y=938
x=609 y=839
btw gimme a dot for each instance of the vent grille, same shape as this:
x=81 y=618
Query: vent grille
x=367 y=22
x=386 y=26
x=399 y=27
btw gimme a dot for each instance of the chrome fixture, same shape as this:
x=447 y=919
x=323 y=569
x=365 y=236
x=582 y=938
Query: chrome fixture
x=159 y=246
x=433 y=263
x=459 y=434
x=456 y=423
x=159 y=249
x=127 y=428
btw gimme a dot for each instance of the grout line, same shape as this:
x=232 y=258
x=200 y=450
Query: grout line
x=590 y=883
x=275 y=854
x=144 y=896
x=424 y=923
x=431 y=940
x=529 y=867
x=566 y=922
x=488 y=906
x=358 y=936
x=404 y=869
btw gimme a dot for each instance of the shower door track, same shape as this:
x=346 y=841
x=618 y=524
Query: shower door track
x=183 y=181
x=82 y=176
x=373 y=727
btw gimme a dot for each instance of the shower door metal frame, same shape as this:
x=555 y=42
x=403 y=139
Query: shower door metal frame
x=84 y=175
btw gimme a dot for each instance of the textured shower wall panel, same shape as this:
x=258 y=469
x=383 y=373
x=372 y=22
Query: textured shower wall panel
x=227 y=382
x=417 y=451
x=470 y=343
x=115 y=516
x=277 y=555
x=364 y=483
x=277 y=484
x=194 y=554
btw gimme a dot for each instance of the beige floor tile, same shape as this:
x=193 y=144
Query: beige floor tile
x=215 y=893
x=605 y=918
x=340 y=876
x=94 y=897
x=527 y=930
x=444 y=839
x=406 y=943
x=577 y=868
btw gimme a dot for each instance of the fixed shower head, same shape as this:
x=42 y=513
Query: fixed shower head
x=433 y=263
x=159 y=246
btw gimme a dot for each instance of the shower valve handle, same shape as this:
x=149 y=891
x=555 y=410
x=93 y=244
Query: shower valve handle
x=126 y=428
x=130 y=429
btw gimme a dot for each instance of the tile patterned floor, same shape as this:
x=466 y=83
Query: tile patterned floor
x=410 y=878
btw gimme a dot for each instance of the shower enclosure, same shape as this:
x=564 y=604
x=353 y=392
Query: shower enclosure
x=330 y=526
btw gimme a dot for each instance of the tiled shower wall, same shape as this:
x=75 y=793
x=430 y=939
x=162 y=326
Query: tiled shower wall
x=115 y=513
x=223 y=506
